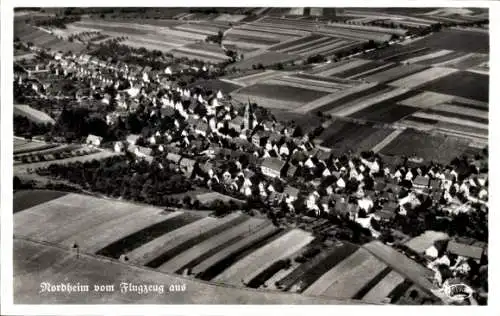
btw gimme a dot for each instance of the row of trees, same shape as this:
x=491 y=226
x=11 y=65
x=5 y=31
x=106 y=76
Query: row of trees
x=123 y=177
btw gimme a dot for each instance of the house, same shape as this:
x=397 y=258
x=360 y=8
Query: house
x=132 y=138
x=290 y=193
x=272 y=167
x=465 y=250
x=187 y=165
x=421 y=183
x=94 y=140
x=174 y=158
x=118 y=147
x=388 y=211
x=260 y=138
x=236 y=123
x=143 y=152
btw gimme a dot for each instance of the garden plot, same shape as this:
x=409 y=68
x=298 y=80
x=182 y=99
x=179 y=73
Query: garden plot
x=29 y=147
x=427 y=99
x=256 y=262
x=423 y=77
x=304 y=48
x=382 y=289
x=216 y=263
x=346 y=265
x=45 y=164
x=200 y=250
x=351 y=282
x=149 y=251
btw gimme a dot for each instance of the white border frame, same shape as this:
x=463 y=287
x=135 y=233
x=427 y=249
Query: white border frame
x=7 y=307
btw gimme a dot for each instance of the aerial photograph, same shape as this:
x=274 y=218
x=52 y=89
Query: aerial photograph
x=250 y=155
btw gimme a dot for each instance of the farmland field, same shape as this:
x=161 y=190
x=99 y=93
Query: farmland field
x=34 y=263
x=465 y=41
x=418 y=79
x=464 y=84
x=436 y=148
x=419 y=274
x=348 y=136
x=266 y=59
x=217 y=263
x=395 y=73
x=257 y=261
x=145 y=235
x=384 y=287
x=153 y=249
x=26 y=199
x=162 y=262
x=282 y=92
x=198 y=253
x=216 y=85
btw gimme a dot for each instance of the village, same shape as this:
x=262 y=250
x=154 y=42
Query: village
x=242 y=158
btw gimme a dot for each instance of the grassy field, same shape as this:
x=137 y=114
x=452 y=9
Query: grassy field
x=436 y=148
x=216 y=85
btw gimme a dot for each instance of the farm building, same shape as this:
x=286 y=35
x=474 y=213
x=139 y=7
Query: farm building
x=94 y=140
x=272 y=167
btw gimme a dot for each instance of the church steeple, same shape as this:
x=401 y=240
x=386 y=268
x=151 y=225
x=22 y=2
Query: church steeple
x=248 y=116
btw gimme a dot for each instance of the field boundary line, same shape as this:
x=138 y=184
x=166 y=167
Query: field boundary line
x=387 y=140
